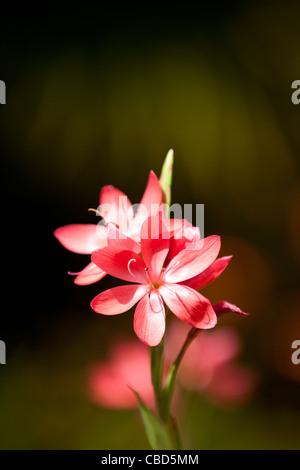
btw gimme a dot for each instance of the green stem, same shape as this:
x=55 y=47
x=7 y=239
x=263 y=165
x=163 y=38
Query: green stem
x=157 y=368
x=167 y=429
x=168 y=390
x=168 y=424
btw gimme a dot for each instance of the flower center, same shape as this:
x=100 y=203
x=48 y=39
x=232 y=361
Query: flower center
x=152 y=285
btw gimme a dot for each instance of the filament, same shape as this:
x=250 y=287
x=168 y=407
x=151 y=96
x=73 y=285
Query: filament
x=153 y=303
x=146 y=269
x=128 y=266
x=112 y=223
x=84 y=274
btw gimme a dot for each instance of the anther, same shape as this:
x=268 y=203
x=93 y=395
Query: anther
x=146 y=269
x=113 y=224
x=94 y=210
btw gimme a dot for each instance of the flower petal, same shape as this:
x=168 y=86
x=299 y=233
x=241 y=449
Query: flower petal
x=182 y=238
x=124 y=264
x=118 y=299
x=173 y=224
x=155 y=241
x=149 y=204
x=225 y=307
x=115 y=208
x=188 y=305
x=209 y=274
x=190 y=262
x=89 y=275
x=149 y=319
x=81 y=238
x=122 y=242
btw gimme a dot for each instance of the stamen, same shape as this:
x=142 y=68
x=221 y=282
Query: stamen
x=112 y=223
x=161 y=303
x=94 y=210
x=154 y=296
x=128 y=266
x=146 y=269
x=84 y=275
x=91 y=209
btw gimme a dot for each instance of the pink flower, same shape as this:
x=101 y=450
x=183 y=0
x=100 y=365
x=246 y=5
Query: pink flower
x=185 y=235
x=156 y=278
x=209 y=367
x=188 y=237
x=115 y=209
x=110 y=382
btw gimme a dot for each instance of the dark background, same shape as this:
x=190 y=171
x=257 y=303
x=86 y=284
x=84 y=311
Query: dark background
x=95 y=96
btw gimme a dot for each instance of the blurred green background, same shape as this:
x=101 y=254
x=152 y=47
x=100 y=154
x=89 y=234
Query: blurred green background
x=97 y=96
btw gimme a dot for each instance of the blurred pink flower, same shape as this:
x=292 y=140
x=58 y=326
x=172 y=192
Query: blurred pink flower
x=156 y=277
x=209 y=367
x=128 y=366
x=115 y=209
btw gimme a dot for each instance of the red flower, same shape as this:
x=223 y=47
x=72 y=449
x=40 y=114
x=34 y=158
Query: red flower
x=115 y=209
x=156 y=278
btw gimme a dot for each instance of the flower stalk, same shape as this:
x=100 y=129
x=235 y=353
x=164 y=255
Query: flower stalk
x=157 y=368
x=169 y=388
x=164 y=394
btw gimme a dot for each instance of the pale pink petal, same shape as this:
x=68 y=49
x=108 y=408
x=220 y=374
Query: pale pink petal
x=187 y=231
x=209 y=274
x=149 y=204
x=188 y=305
x=149 y=319
x=125 y=265
x=182 y=238
x=190 y=262
x=122 y=242
x=89 y=275
x=115 y=208
x=173 y=224
x=225 y=307
x=118 y=299
x=155 y=245
x=81 y=238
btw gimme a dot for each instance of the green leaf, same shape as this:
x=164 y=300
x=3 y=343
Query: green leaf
x=161 y=436
x=166 y=177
